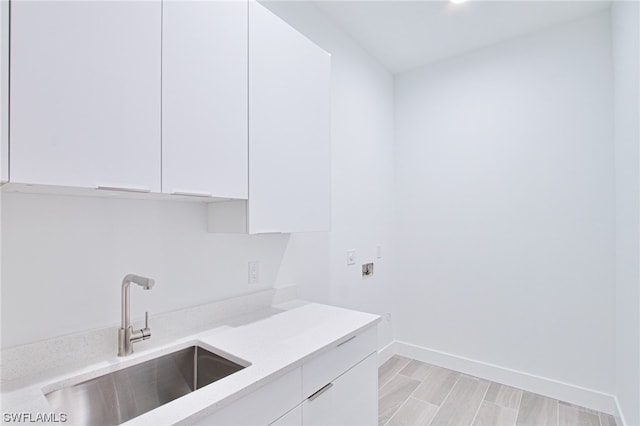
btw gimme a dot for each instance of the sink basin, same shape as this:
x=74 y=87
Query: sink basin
x=124 y=394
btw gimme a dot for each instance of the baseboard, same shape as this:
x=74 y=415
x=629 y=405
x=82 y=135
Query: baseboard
x=387 y=352
x=620 y=420
x=578 y=395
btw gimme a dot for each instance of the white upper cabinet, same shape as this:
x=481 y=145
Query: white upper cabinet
x=289 y=128
x=215 y=98
x=204 y=98
x=85 y=93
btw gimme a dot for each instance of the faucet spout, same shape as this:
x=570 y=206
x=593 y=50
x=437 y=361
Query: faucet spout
x=146 y=283
x=126 y=335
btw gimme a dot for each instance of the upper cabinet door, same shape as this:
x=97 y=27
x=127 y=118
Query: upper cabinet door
x=289 y=128
x=204 y=98
x=85 y=93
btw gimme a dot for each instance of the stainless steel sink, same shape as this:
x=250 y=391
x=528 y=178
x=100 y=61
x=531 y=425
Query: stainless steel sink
x=124 y=394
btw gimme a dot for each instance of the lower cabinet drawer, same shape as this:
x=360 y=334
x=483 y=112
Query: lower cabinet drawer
x=326 y=367
x=292 y=418
x=351 y=399
x=262 y=406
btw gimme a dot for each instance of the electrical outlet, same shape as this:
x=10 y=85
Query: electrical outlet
x=367 y=270
x=254 y=272
x=379 y=251
x=351 y=257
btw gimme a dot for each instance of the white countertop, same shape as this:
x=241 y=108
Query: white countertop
x=273 y=346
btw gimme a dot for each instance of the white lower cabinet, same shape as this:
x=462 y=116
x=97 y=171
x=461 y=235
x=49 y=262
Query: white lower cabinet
x=292 y=418
x=262 y=406
x=348 y=400
x=338 y=387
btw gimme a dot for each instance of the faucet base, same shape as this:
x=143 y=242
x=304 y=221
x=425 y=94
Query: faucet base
x=127 y=337
x=124 y=345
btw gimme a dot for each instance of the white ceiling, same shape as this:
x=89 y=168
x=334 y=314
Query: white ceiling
x=404 y=35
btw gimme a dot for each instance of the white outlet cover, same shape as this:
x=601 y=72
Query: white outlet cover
x=379 y=251
x=254 y=272
x=351 y=257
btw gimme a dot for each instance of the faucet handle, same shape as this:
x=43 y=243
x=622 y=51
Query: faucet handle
x=146 y=332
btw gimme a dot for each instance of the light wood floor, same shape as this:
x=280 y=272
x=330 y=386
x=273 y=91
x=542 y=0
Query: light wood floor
x=414 y=393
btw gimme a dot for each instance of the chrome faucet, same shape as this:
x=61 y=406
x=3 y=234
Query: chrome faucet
x=126 y=335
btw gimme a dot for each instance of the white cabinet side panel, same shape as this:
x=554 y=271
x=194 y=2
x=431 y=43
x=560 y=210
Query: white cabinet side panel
x=289 y=128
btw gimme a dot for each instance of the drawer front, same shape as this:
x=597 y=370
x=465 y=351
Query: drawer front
x=262 y=406
x=321 y=370
x=351 y=400
x=292 y=418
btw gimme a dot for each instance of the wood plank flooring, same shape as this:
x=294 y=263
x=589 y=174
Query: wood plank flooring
x=412 y=393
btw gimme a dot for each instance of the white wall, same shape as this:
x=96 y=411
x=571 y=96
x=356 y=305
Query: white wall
x=626 y=69
x=362 y=144
x=505 y=199
x=63 y=260
x=4 y=91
